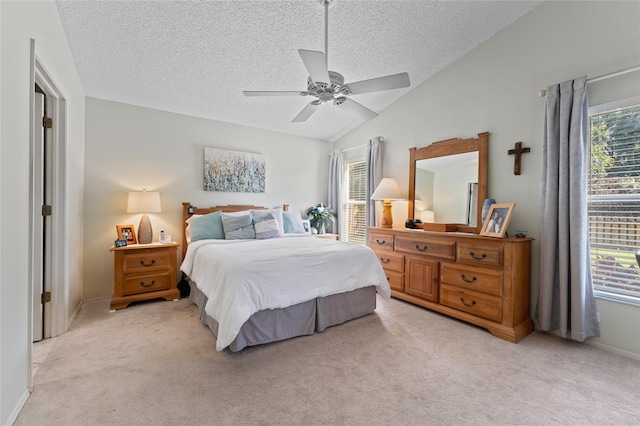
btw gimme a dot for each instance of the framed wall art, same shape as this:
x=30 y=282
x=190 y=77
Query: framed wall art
x=127 y=233
x=233 y=171
x=497 y=220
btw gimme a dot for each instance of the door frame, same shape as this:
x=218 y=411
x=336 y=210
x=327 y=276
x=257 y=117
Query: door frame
x=57 y=323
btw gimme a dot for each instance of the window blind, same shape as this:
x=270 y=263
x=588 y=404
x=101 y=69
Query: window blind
x=614 y=202
x=354 y=229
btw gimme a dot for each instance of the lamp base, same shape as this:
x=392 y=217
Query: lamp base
x=145 y=233
x=386 y=221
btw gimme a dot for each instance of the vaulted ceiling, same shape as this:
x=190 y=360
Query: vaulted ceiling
x=197 y=57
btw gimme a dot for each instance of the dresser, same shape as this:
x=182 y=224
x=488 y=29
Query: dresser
x=144 y=272
x=480 y=280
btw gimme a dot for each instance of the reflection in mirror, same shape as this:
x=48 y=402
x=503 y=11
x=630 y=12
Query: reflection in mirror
x=448 y=182
x=448 y=186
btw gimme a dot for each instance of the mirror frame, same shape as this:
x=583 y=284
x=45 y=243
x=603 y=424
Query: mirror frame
x=452 y=147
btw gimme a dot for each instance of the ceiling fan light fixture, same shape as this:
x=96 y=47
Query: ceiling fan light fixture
x=328 y=85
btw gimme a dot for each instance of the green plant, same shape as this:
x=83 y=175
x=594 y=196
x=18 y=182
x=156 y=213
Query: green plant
x=321 y=216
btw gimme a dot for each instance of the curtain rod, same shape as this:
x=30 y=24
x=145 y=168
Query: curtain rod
x=380 y=138
x=543 y=92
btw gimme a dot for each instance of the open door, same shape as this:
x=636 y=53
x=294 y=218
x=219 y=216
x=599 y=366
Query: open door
x=42 y=185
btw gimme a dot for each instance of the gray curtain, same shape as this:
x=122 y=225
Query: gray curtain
x=566 y=305
x=336 y=173
x=374 y=176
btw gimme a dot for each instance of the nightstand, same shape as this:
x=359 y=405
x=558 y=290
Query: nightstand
x=327 y=236
x=144 y=272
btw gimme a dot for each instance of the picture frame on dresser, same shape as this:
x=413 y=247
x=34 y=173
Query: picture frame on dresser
x=497 y=220
x=127 y=233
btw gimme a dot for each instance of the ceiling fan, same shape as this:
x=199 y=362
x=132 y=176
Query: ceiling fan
x=328 y=85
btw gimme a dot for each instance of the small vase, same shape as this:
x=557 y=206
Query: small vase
x=321 y=228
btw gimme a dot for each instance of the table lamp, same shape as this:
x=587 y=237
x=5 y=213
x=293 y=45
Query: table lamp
x=144 y=202
x=387 y=191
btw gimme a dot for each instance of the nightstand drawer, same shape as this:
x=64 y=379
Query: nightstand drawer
x=146 y=261
x=145 y=283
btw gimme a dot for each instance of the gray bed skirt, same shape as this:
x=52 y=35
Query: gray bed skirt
x=297 y=320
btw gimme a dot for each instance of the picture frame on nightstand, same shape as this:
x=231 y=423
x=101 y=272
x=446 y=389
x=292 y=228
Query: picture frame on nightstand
x=127 y=232
x=306 y=224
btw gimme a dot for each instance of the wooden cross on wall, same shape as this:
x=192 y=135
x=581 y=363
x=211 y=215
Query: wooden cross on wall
x=518 y=151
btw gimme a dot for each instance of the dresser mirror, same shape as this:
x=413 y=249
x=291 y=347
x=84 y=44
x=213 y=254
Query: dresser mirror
x=449 y=178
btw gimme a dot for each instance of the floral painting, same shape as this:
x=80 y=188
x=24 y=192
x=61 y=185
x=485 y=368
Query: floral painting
x=233 y=171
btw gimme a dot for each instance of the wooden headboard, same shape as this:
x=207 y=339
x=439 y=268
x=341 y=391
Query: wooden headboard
x=188 y=210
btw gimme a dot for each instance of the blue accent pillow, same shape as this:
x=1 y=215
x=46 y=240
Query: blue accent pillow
x=292 y=222
x=206 y=227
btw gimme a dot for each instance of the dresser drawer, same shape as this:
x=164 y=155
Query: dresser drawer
x=477 y=279
x=146 y=261
x=380 y=240
x=395 y=279
x=390 y=261
x=425 y=246
x=472 y=302
x=145 y=283
x=480 y=254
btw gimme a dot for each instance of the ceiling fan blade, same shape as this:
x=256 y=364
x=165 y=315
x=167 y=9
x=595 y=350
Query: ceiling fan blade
x=394 y=81
x=316 y=65
x=273 y=93
x=305 y=113
x=354 y=107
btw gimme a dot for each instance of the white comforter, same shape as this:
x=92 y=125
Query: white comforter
x=242 y=277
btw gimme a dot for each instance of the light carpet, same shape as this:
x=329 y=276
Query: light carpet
x=156 y=364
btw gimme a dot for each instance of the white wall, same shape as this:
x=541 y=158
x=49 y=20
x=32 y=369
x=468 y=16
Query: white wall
x=133 y=148
x=495 y=88
x=19 y=22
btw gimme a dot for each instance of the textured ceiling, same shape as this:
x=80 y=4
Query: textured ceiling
x=196 y=57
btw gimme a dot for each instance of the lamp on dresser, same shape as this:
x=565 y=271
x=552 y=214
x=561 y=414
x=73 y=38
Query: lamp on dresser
x=387 y=191
x=144 y=202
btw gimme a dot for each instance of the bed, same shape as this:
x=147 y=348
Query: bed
x=256 y=291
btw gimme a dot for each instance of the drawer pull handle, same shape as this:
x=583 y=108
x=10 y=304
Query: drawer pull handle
x=385 y=260
x=424 y=248
x=464 y=278
x=381 y=243
x=147 y=264
x=473 y=302
x=147 y=285
x=482 y=256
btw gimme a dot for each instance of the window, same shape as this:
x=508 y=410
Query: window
x=355 y=182
x=614 y=201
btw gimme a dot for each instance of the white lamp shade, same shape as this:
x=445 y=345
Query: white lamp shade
x=143 y=202
x=387 y=189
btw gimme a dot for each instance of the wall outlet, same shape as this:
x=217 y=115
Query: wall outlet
x=598 y=317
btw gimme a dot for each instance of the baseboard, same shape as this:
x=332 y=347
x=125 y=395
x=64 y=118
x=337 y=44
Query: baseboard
x=73 y=316
x=14 y=415
x=97 y=299
x=614 y=350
